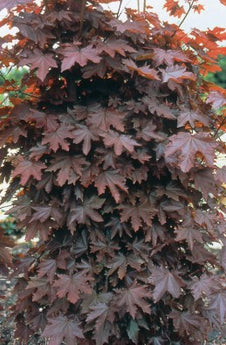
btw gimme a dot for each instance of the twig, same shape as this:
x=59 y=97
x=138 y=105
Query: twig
x=138 y=6
x=182 y=21
x=45 y=2
x=187 y=13
x=220 y=126
x=119 y=9
x=123 y=8
x=144 y=6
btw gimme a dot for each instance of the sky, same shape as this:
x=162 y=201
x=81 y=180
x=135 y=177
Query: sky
x=214 y=14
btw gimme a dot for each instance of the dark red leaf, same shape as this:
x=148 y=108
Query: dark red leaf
x=205 y=219
x=204 y=181
x=113 y=46
x=201 y=255
x=165 y=281
x=113 y=181
x=120 y=142
x=103 y=314
x=43 y=213
x=43 y=62
x=40 y=288
x=12 y=135
x=47 y=267
x=168 y=57
x=132 y=298
x=190 y=235
x=131 y=26
x=176 y=73
x=187 y=146
x=161 y=109
x=144 y=71
x=38 y=33
x=61 y=328
x=121 y=262
x=220 y=175
x=26 y=169
x=186 y=322
x=82 y=212
x=84 y=134
x=137 y=214
x=73 y=54
x=217 y=99
x=5 y=253
x=73 y=286
x=217 y=304
x=23 y=332
x=57 y=138
x=190 y=116
x=70 y=168
x=104 y=118
x=149 y=132
x=204 y=285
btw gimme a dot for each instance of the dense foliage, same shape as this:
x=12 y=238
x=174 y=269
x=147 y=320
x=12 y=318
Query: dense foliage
x=112 y=155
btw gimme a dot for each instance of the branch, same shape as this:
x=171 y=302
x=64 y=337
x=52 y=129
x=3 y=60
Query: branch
x=45 y=2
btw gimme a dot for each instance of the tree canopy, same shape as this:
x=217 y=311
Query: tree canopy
x=111 y=159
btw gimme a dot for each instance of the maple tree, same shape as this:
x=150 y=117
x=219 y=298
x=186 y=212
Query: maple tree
x=111 y=160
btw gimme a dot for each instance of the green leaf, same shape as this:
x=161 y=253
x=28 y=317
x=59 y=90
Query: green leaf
x=133 y=330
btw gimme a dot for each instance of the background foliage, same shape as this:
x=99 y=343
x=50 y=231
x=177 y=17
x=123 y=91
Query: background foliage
x=219 y=78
